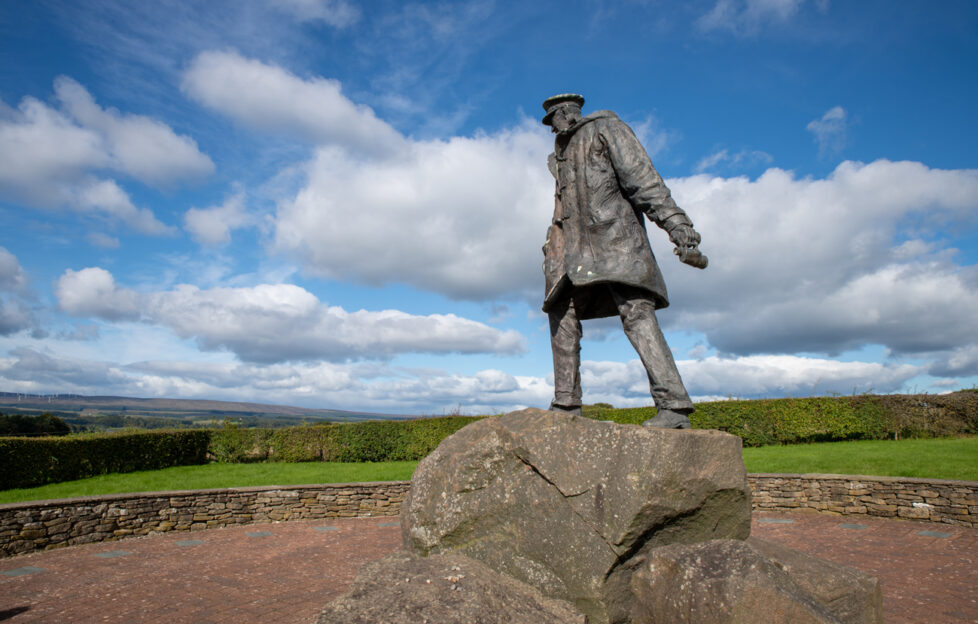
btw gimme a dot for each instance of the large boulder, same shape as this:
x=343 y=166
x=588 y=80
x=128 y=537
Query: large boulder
x=747 y=582
x=566 y=504
x=404 y=588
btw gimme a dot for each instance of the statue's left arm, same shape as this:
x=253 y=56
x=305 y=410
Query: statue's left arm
x=642 y=185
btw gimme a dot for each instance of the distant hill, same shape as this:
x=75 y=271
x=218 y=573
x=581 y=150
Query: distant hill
x=181 y=411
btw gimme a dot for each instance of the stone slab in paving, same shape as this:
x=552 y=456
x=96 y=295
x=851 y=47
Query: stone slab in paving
x=231 y=577
x=851 y=525
x=112 y=554
x=22 y=571
x=775 y=521
x=940 y=534
x=193 y=542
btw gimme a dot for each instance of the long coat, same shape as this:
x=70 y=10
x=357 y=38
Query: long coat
x=606 y=184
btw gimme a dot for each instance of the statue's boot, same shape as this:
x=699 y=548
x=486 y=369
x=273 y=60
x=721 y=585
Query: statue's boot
x=669 y=419
x=573 y=410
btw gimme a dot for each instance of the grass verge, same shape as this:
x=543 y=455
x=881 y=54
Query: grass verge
x=217 y=476
x=940 y=458
x=937 y=458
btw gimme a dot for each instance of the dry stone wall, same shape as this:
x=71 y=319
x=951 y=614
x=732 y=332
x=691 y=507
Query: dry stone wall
x=26 y=527
x=949 y=502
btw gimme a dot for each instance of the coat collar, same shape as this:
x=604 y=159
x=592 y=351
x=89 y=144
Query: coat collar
x=603 y=114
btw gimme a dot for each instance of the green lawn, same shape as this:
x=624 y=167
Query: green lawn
x=941 y=458
x=217 y=476
x=945 y=458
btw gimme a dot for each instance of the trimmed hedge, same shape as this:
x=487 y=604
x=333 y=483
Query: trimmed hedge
x=369 y=441
x=824 y=419
x=28 y=462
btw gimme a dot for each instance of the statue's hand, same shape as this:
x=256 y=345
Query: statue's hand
x=684 y=236
x=687 y=241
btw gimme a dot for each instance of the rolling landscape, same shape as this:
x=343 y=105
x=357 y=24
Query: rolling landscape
x=116 y=411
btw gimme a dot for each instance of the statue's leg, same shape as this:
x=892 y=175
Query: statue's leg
x=637 y=311
x=565 y=341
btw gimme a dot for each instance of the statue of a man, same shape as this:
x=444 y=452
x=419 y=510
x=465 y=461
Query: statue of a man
x=598 y=261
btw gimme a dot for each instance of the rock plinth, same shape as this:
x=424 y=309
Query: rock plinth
x=563 y=503
x=540 y=516
x=404 y=588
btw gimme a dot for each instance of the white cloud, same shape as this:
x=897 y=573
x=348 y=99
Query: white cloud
x=55 y=158
x=105 y=197
x=14 y=316
x=465 y=217
x=830 y=131
x=279 y=322
x=338 y=13
x=12 y=276
x=143 y=148
x=816 y=265
x=93 y=292
x=213 y=225
x=271 y=99
x=626 y=384
x=746 y=17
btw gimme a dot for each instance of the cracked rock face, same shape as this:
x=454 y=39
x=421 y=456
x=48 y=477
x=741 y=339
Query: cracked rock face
x=569 y=505
x=745 y=582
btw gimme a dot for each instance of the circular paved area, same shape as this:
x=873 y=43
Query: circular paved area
x=286 y=572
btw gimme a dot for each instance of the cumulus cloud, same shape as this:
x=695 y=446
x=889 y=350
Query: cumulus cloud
x=139 y=146
x=746 y=17
x=12 y=276
x=279 y=322
x=93 y=292
x=338 y=13
x=15 y=315
x=830 y=131
x=55 y=158
x=106 y=198
x=626 y=384
x=212 y=226
x=465 y=217
x=816 y=265
x=272 y=99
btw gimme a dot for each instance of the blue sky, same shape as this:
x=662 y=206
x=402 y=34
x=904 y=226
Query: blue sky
x=337 y=204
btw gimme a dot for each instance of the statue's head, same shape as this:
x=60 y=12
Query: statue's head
x=563 y=111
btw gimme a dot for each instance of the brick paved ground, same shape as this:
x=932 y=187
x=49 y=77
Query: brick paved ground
x=928 y=571
x=286 y=572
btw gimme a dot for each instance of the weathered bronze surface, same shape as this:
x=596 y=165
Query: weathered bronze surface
x=597 y=258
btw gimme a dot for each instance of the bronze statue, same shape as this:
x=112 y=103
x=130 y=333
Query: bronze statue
x=598 y=260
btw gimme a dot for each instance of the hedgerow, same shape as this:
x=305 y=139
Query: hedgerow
x=822 y=419
x=28 y=462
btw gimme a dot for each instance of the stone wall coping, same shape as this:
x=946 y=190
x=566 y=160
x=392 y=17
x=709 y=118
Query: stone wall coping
x=842 y=477
x=105 y=498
